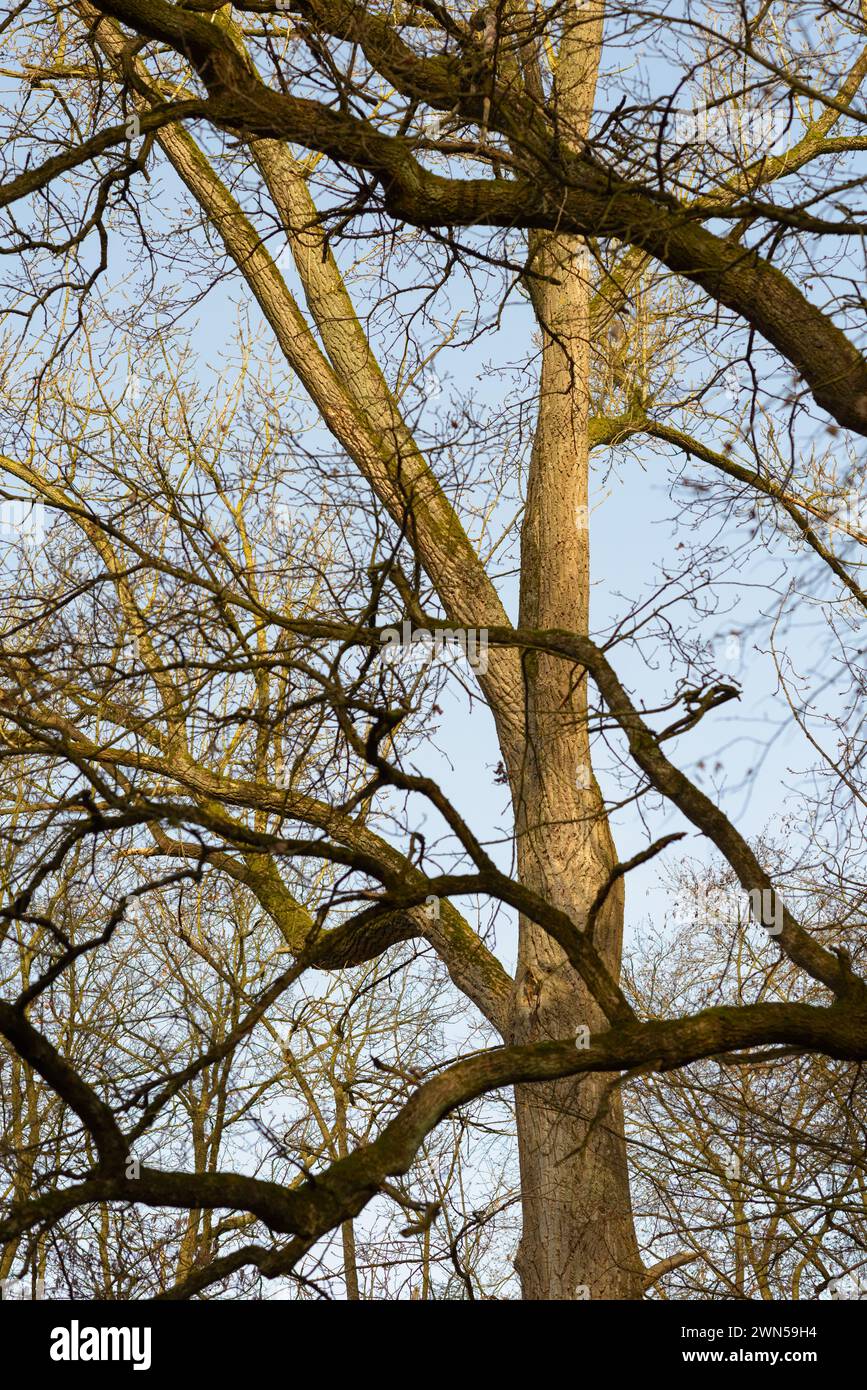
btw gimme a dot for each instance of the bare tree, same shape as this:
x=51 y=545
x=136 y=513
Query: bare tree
x=385 y=187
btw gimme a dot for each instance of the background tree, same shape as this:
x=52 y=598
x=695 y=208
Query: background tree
x=749 y=1166
x=408 y=176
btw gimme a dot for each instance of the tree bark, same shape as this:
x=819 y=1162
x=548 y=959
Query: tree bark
x=578 y=1235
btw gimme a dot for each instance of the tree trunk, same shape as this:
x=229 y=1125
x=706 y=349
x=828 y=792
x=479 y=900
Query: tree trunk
x=347 y=1230
x=578 y=1237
